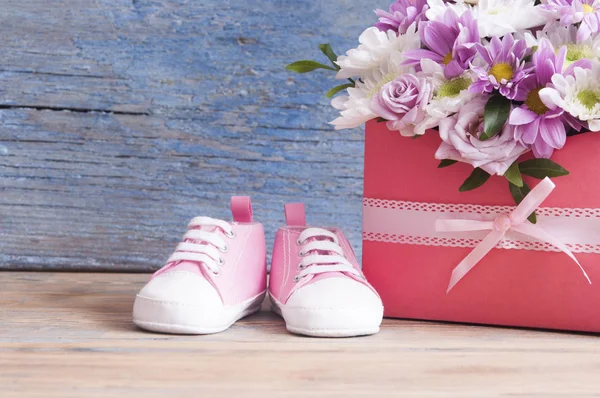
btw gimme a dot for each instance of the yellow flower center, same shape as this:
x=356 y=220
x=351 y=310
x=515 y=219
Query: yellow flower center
x=452 y=88
x=447 y=58
x=534 y=102
x=588 y=9
x=589 y=98
x=502 y=71
x=498 y=10
x=575 y=52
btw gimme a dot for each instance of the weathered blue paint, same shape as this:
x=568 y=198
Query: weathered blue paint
x=121 y=120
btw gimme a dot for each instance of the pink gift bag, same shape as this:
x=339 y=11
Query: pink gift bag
x=417 y=228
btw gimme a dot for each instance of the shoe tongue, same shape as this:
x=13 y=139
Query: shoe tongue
x=207 y=228
x=335 y=274
x=321 y=239
x=190 y=265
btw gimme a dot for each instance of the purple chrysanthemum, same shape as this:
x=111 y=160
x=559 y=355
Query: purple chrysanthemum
x=401 y=15
x=536 y=126
x=586 y=13
x=505 y=66
x=449 y=41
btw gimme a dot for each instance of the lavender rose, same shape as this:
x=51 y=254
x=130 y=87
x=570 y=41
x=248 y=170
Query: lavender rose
x=402 y=102
x=460 y=135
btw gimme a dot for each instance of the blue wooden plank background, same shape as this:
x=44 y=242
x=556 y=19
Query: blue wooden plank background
x=122 y=119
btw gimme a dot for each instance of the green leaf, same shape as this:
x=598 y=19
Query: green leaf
x=532 y=218
x=326 y=49
x=495 y=115
x=518 y=194
x=477 y=178
x=446 y=163
x=513 y=174
x=542 y=168
x=307 y=66
x=337 y=89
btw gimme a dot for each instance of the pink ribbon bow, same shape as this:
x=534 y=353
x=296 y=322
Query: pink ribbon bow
x=516 y=221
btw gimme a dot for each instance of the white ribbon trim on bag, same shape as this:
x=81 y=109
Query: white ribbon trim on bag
x=417 y=223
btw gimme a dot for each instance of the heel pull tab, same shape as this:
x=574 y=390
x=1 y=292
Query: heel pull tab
x=241 y=208
x=295 y=215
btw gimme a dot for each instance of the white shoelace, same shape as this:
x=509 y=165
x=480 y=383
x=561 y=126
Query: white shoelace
x=212 y=244
x=322 y=253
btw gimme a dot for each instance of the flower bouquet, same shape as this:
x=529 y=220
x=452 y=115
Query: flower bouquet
x=495 y=79
x=488 y=88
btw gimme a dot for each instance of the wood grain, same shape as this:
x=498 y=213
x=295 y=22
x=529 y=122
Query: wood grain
x=120 y=120
x=70 y=335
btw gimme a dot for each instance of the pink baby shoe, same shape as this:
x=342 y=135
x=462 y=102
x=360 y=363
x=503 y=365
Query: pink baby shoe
x=316 y=284
x=216 y=276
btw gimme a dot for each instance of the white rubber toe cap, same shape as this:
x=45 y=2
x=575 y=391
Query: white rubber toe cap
x=179 y=302
x=333 y=307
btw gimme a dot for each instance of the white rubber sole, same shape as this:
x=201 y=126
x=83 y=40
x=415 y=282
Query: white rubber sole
x=147 y=309
x=331 y=324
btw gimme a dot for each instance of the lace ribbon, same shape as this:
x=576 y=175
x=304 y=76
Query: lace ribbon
x=422 y=223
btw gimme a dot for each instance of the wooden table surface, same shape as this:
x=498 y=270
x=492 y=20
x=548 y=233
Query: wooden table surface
x=70 y=335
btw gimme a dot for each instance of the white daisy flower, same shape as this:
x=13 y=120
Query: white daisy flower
x=578 y=94
x=494 y=17
x=499 y=17
x=376 y=49
x=354 y=108
x=437 y=8
x=448 y=94
x=566 y=35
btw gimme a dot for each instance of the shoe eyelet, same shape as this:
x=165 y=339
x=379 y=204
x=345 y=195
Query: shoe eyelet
x=301 y=253
x=224 y=249
x=301 y=267
x=221 y=261
x=230 y=235
x=218 y=273
x=298 y=278
x=299 y=242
